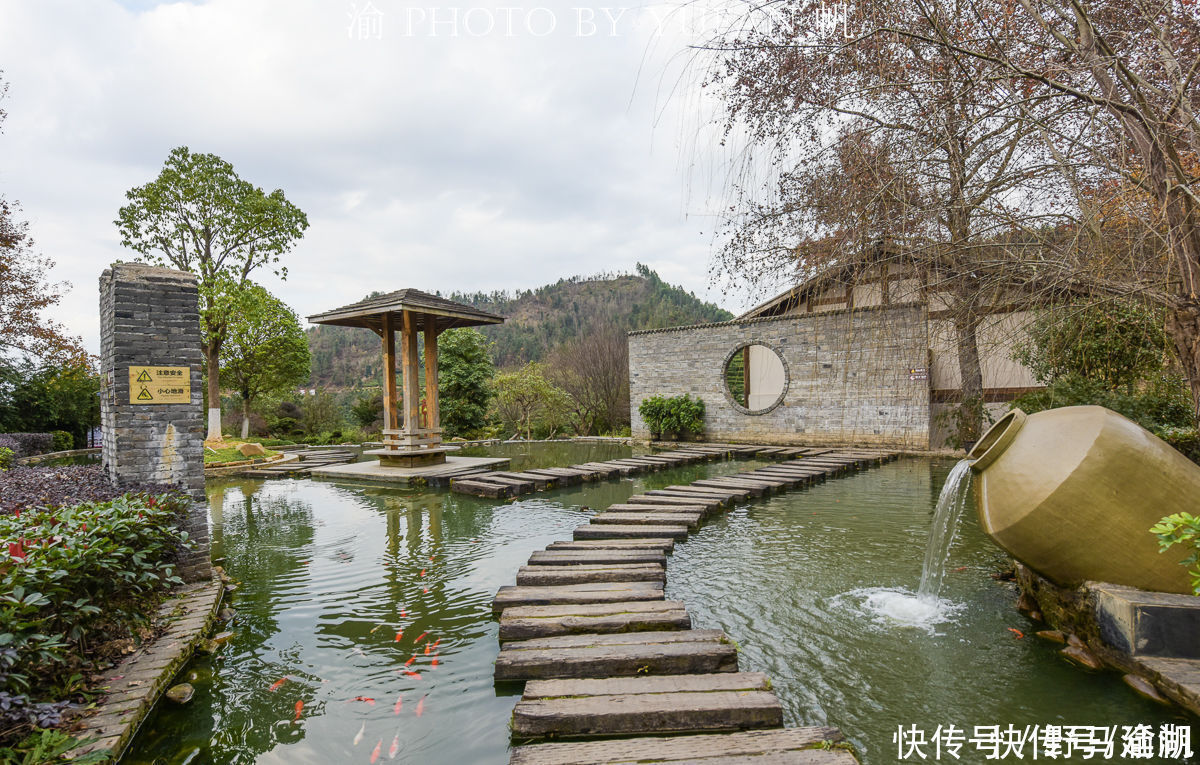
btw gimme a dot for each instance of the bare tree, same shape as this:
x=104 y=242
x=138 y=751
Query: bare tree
x=594 y=373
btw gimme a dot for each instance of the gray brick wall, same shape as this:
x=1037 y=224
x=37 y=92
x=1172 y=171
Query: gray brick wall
x=149 y=317
x=848 y=377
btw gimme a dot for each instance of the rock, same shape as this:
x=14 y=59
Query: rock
x=225 y=614
x=221 y=638
x=1082 y=656
x=1055 y=636
x=219 y=571
x=1026 y=603
x=1144 y=687
x=252 y=450
x=231 y=588
x=207 y=646
x=1075 y=642
x=182 y=693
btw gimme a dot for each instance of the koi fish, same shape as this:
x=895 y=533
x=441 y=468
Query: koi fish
x=358 y=737
x=367 y=699
x=399 y=705
x=421 y=705
x=435 y=643
x=474 y=541
x=420 y=637
x=425 y=591
x=375 y=628
x=399 y=635
x=961 y=568
x=375 y=751
x=435 y=660
x=395 y=747
x=410 y=673
x=403 y=614
x=1016 y=632
x=411 y=659
x=299 y=709
x=422 y=572
x=431 y=559
x=427 y=647
x=275 y=685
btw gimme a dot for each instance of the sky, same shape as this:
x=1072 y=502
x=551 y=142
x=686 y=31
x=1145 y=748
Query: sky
x=481 y=146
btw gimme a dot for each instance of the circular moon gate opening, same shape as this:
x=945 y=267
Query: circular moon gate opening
x=755 y=378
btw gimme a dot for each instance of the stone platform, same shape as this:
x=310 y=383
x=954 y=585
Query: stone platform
x=431 y=475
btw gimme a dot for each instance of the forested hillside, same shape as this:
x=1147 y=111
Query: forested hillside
x=538 y=322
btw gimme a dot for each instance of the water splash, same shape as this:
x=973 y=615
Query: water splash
x=891 y=606
x=950 y=505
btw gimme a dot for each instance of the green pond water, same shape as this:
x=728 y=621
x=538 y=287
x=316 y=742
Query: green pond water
x=330 y=573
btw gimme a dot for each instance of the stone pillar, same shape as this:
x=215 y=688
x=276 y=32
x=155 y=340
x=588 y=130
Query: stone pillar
x=150 y=405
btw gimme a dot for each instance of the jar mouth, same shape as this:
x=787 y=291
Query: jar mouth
x=997 y=438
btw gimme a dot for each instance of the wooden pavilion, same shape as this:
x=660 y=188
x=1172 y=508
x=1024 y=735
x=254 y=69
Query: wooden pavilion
x=416 y=439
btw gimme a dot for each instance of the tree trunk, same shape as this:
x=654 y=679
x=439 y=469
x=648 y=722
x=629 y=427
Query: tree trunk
x=245 y=418
x=970 y=411
x=212 y=357
x=1183 y=325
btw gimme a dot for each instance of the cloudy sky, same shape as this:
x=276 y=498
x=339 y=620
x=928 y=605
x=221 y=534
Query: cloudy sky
x=482 y=146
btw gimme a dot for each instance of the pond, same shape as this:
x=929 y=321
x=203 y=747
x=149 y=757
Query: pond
x=343 y=589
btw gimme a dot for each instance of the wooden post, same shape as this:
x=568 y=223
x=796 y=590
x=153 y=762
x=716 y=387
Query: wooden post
x=412 y=392
x=389 y=374
x=431 y=373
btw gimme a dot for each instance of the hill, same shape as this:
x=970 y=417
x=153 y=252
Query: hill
x=538 y=321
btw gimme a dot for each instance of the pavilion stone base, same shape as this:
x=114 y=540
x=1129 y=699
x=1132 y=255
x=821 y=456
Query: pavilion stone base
x=410 y=458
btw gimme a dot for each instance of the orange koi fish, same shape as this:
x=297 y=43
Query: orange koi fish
x=427 y=647
x=367 y=699
x=422 y=572
x=410 y=673
x=420 y=637
x=403 y=614
x=399 y=705
x=395 y=747
x=435 y=643
x=421 y=705
x=411 y=659
x=425 y=591
x=1016 y=632
x=399 y=635
x=435 y=660
x=299 y=709
x=275 y=685
x=375 y=751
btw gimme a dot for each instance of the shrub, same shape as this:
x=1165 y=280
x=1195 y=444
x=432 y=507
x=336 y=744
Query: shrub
x=654 y=413
x=9 y=443
x=73 y=572
x=682 y=415
x=6 y=458
x=61 y=441
x=1181 y=529
x=29 y=444
x=1184 y=440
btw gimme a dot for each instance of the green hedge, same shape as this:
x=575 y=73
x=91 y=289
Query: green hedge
x=679 y=415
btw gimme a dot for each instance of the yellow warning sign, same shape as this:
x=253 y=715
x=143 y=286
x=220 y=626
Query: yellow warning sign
x=160 y=385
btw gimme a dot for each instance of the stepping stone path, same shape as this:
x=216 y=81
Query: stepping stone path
x=303 y=466
x=602 y=651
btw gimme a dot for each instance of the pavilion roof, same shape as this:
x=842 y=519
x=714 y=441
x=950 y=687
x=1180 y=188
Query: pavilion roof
x=369 y=313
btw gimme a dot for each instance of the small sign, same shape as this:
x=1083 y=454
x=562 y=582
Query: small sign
x=160 y=385
x=918 y=373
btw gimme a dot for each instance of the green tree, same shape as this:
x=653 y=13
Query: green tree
x=465 y=373
x=367 y=410
x=526 y=400
x=199 y=216
x=265 y=351
x=39 y=399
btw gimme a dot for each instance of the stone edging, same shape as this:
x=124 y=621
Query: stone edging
x=135 y=685
x=237 y=467
x=34 y=459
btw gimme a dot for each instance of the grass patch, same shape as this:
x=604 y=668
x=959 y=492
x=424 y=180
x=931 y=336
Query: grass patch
x=228 y=452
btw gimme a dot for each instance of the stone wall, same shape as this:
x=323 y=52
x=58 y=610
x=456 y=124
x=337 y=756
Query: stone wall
x=149 y=317
x=847 y=377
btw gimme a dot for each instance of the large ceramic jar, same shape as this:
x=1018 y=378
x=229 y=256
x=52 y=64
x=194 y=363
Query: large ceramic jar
x=1073 y=492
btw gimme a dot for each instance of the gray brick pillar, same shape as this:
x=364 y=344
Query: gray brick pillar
x=150 y=406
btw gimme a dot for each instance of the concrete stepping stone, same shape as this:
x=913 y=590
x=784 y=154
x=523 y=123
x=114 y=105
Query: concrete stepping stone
x=586 y=573
x=631 y=705
x=596 y=557
x=480 y=488
x=525 y=622
x=691 y=520
x=711 y=491
x=539 y=481
x=666 y=545
x=614 y=531
x=660 y=499
x=790 y=746
x=755 y=489
x=685 y=652
x=570 y=594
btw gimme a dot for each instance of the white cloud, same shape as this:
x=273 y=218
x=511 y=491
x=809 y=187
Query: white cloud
x=441 y=162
